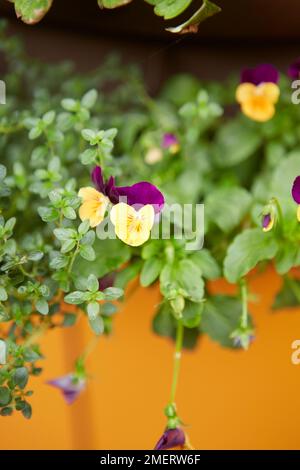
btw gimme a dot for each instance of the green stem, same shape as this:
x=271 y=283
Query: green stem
x=73 y=258
x=177 y=359
x=244 y=295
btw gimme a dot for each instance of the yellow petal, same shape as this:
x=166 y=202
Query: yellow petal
x=146 y=213
x=244 y=92
x=131 y=226
x=258 y=108
x=270 y=91
x=89 y=193
x=93 y=211
x=298 y=213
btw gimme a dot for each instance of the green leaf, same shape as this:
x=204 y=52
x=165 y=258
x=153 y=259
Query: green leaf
x=20 y=377
x=32 y=11
x=207 y=9
x=190 y=279
x=112 y=3
x=235 y=142
x=220 y=317
x=83 y=227
x=110 y=255
x=64 y=233
x=97 y=325
x=169 y=8
x=69 y=213
x=89 y=99
x=283 y=178
x=2 y=352
x=246 y=251
x=27 y=410
x=113 y=293
x=3 y=294
x=67 y=246
x=48 y=117
x=92 y=283
x=5 y=396
x=87 y=252
x=226 y=207
x=108 y=309
x=42 y=306
x=191 y=315
x=150 y=271
x=127 y=274
x=164 y=324
x=207 y=264
x=88 y=134
x=76 y=298
x=287 y=257
x=88 y=156
x=93 y=309
x=69 y=104
x=289 y=294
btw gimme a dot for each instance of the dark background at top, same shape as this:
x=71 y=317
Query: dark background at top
x=246 y=32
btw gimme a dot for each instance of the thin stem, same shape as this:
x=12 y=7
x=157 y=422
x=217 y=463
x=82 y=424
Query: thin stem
x=177 y=359
x=73 y=258
x=244 y=295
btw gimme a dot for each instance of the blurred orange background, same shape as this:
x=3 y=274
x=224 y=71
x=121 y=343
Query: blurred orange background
x=228 y=399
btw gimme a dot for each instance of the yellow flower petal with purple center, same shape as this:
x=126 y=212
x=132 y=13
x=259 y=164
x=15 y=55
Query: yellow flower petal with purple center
x=131 y=226
x=94 y=205
x=258 y=101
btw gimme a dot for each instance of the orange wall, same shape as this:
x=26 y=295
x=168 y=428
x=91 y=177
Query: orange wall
x=228 y=399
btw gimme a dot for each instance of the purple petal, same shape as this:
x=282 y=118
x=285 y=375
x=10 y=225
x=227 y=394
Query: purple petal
x=171 y=438
x=142 y=193
x=70 y=386
x=296 y=190
x=266 y=220
x=107 y=281
x=138 y=194
x=169 y=140
x=97 y=178
x=264 y=73
x=294 y=70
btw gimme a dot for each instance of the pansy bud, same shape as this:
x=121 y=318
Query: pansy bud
x=177 y=305
x=242 y=337
x=171 y=143
x=296 y=194
x=268 y=217
x=173 y=438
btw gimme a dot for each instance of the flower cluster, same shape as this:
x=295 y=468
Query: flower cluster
x=132 y=219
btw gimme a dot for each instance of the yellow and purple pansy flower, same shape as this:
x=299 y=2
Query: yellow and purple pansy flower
x=170 y=142
x=134 y=207
x=296 y=194
x=258 y=92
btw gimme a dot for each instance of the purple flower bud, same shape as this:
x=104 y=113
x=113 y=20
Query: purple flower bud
x=70 y=385
x=264 y=73
x=171 y=438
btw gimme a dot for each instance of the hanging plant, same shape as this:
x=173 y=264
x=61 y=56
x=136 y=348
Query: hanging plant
x=32 y=11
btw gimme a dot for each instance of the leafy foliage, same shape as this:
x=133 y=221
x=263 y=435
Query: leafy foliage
x=51 y=261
